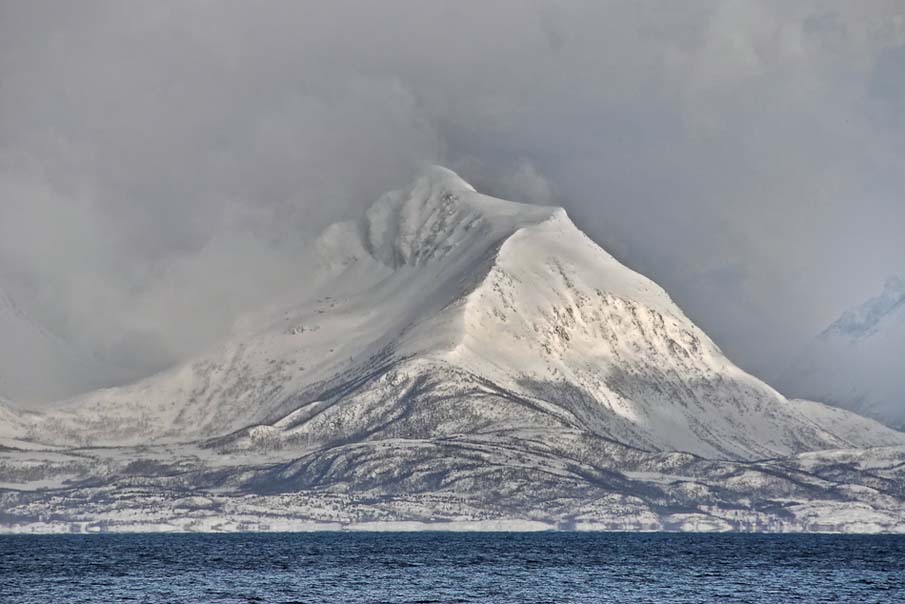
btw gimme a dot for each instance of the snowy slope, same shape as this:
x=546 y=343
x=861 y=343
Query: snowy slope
x=444 y=312
x=857 y=362
x=856 y=430
x=37 y=365
x=491 y=481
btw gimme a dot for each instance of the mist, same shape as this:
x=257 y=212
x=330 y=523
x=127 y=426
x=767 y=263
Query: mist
x=162 y=165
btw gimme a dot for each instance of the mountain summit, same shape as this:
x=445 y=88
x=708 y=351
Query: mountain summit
x=451 y=353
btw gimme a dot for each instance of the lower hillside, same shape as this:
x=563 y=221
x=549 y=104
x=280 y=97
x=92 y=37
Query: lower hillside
x=517 y=480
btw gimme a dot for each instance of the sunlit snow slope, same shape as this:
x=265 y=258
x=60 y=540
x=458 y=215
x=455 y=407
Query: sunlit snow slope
x=446 y=312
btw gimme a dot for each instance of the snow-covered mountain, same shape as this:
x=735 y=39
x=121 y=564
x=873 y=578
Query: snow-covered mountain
x=446 y=311
x=36 y=364
x=857 y=362
x=457 y=357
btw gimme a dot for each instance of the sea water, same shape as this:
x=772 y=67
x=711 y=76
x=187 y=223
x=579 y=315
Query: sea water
x=348 y=568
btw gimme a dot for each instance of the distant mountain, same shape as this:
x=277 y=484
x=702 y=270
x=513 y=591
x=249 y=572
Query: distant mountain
x=37 y=365
x=454 y=357
x=857 y=362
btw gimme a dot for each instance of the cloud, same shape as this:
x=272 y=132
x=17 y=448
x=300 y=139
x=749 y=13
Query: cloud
x=162 y=164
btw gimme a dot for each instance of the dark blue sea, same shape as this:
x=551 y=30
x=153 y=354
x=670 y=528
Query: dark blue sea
x=348 y=568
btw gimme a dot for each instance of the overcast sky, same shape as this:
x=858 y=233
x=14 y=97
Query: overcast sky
x=162 y=163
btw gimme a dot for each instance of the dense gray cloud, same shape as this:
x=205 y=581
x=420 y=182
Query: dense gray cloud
x=162 y=163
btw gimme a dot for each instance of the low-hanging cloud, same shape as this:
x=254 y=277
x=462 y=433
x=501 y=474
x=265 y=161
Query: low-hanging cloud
x=162 y=164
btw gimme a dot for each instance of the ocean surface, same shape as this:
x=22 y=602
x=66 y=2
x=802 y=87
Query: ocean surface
x=349 y=568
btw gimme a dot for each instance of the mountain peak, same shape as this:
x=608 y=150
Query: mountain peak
x=438 y=214
x=440 y=177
